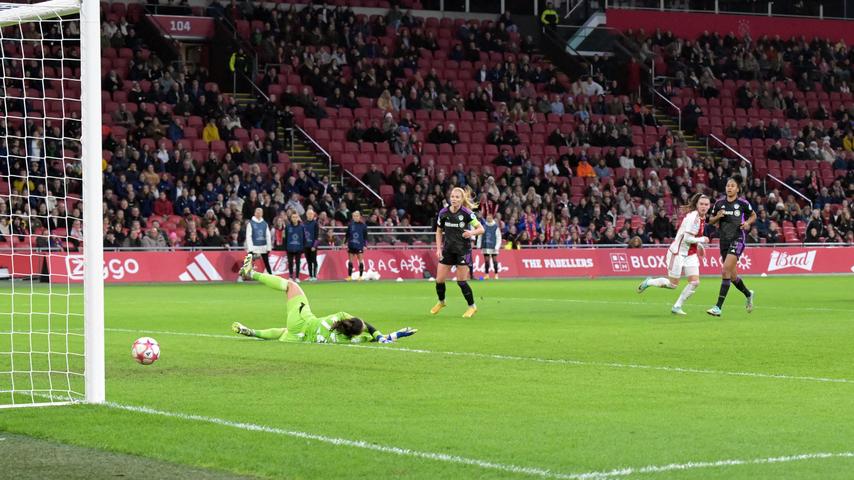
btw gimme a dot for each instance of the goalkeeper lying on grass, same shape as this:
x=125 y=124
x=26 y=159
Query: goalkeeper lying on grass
x=303 y=326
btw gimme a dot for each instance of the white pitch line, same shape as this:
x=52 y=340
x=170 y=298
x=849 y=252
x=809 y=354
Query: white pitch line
x=474 y=462
x=553 y=361
x=406 y=452
x=624 y=472
x=610 y=302
x=583 y=363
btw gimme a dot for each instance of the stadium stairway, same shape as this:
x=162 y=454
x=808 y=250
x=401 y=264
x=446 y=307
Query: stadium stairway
x=306 y=154
x=303 y=152
x=691 y=140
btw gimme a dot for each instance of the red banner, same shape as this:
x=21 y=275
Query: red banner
x=691 y=25
x=184 y=28
x=215 y=266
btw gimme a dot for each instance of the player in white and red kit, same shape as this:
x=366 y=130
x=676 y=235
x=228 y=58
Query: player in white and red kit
x=683 y=254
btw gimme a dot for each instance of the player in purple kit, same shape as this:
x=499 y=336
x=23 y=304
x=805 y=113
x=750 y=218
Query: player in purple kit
x=456 y=226
x=734 y=216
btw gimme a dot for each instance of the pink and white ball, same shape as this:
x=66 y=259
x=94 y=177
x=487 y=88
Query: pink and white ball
x=145 y=350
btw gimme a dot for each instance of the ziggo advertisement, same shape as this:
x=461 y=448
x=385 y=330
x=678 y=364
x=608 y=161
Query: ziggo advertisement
x=407 y=264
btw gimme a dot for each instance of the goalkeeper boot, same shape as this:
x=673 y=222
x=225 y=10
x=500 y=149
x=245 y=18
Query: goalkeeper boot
x=438 y=307
x=470 y=311
x=242 y=329
x=749 y=305
x=677 y=311
x=644 y=284
x=714 y=311
x=246 y=269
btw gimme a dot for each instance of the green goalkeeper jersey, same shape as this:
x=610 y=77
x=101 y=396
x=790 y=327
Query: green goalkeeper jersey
x=305 y=327
x=317 y=330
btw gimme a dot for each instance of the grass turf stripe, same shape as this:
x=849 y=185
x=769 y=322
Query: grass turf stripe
x=553 y=361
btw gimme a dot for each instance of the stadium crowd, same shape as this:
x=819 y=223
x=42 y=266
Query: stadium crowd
x=185 y=165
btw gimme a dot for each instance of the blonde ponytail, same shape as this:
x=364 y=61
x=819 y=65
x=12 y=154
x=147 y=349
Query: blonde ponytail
x=466 y=193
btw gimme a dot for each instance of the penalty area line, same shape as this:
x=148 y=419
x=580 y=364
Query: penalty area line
x=515 y=358
x=484 y=464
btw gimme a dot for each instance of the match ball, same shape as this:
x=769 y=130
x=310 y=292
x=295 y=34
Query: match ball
x=145 y=350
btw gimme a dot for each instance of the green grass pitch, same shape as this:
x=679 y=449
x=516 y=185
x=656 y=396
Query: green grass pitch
x=571 y=379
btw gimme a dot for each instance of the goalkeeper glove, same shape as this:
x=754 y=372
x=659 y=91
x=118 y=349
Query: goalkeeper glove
x=403 y=332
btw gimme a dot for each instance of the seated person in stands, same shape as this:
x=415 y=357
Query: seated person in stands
x=408 y=122
x=504 y=159
x=511 y=137
x=350 y=101
x=451 y=135
x=374 y=134
x=777 y=152
x=495 y=137
x=336 y=100
x=438 y=135
x=402 y=144
x=732 y=131
x=557 y=138
x=584 y=168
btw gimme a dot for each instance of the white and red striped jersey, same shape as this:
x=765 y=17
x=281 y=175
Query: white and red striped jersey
x=688 y=235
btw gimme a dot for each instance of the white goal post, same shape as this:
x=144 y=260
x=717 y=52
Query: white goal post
x=51 y=328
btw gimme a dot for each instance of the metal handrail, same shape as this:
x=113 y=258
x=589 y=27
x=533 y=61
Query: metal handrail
x=790 y=188
x=412 y=229
x=365 y=186
x=317 y=145
x=428 y=245
x=256 y=87
x=574 y=8
x=713 y=136
x=719 y=11
x=767 y=175
x=678 y=110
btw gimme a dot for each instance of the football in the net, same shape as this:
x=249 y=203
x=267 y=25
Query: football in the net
x=145 y=350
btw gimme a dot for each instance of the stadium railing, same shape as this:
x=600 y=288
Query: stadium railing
x=348 y=175
x=424 y=245
x=764 y=177
x=812 y=9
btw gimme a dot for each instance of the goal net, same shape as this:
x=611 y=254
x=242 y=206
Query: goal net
x=51 y=323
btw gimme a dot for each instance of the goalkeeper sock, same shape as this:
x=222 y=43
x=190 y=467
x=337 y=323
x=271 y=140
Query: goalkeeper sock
x=440 y=291
x=739 y=284
x=272 y=281
x=467 y=293
x=660 y=282
x=271 y=333
x=686 y=293
x=361 y=269
x=724 y=289
x=349 y=269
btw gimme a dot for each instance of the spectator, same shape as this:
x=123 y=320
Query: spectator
x=584 y=169
x=163 y=206
x=153 y=240
x=549 y=18
x=211 y=132
x=356 y=133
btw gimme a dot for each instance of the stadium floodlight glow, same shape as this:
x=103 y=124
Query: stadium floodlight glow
x=51 y=333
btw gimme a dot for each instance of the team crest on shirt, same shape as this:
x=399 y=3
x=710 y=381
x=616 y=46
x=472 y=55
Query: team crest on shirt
x=459 y=217
x=737 y=206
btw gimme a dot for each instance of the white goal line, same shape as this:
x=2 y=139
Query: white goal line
x=552 y=361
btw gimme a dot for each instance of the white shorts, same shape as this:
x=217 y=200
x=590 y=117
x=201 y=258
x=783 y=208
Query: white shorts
x=490 y=251
x=677 y=264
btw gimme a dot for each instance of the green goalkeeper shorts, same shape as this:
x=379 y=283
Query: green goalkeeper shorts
x=299 y=312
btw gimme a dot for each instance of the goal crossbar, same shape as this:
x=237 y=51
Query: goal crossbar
x=15 y=13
